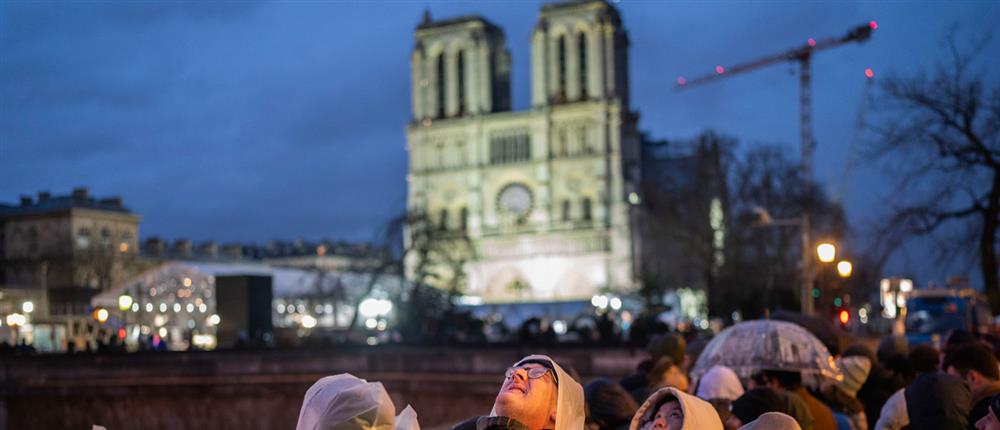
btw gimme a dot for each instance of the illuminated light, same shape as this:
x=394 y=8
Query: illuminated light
x=152 y=292
x=826 y=252
x=559 y=326
x=135 y=307
x=300 y=308
x=189 y=307
x=812 y=42
x=187 y=282
x=599 y=301
x=844 y=316
x=838 y=302
x=372 y=307
x=149 y=307
x=382 y=325
x=815 y=293
x=124 y=302
x=101 y=315
x=703 y=324
x=202 y=308
x=371 y=323
x=321 y=250
x=204 y=341
x=160 y=320
x=162 y=332
x=873 y=25
x=177 y=307
x=15 y=320
x=28 y=307
x=308 y=321
x=121 y=333
x=156 y=340
x=885 y=284
x=281 y=308
x=863 y=313
x=163 y=307
x=681 y=80
x=190 y=324
x=905 y=285
x=633 y=198
x=214 y=320
x=371 y=341
x=145 y=330
x=869 y=73
x=616 y=303
x=198 y=301
x=720 y=70
x=318 y=309
x=123 y=247
x=328 y=308
x=845 y=268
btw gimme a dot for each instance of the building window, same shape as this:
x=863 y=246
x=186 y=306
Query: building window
x=461 y=83
x=463 y=220
x=510 y=148
x=440 y=86
x=582 y=47
x=83 y=238
x=443 y=219
x=586 y=209
x=566 y=210
x=561 y=58
x=105 y=237
x=32 y=240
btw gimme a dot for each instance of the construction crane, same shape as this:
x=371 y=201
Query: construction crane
x=803 y=56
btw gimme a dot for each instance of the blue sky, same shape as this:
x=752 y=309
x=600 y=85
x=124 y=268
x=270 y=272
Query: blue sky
x=247 y=121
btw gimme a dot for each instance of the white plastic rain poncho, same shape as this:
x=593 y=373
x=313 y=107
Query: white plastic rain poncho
x=570 y=409
x=345 y=402
x=698 y=414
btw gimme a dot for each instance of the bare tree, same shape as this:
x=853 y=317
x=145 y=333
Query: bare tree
x=940 y=139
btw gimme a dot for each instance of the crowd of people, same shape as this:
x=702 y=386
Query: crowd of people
x=891 y=388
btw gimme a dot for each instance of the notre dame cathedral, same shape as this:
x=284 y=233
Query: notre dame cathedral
x=546 y=196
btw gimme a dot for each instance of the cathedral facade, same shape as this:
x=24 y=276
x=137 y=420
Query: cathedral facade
x=546 y=196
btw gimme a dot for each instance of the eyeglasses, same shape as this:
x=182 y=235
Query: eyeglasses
x=533 y=372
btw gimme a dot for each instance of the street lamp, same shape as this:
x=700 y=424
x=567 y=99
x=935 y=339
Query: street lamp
x=826 y=252
x=844 y=269
x=124 y=302
x=28 y=307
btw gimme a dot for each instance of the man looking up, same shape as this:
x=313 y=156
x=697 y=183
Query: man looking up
x=536 y=395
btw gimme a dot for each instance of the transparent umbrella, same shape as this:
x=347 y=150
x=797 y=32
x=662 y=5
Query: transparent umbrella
x=752 y=346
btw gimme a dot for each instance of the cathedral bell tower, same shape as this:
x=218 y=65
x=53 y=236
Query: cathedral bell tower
x=459 y=67
x=579 y=52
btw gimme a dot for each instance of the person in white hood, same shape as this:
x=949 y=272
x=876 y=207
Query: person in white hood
x=672 y=409
x=345 y=402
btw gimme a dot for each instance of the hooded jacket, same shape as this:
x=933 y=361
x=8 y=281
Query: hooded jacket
x=720 y=382
x=893 y=415
x=772 y=421
x=698 y=414
x=938 y=401
x=570 y=403
x=345 y=402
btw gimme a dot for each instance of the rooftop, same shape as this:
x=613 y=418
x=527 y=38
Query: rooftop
x=47 y=203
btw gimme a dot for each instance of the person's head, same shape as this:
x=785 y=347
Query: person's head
x=773 y=421
x=990 y=420
x=938 y=401
x=973 y=362
x=855 y=371
x=959 y=337
x=924 y=358
x=668 y=345
x=753 y=404
x=892 y=348
x=720 y=382
x=344 y=402
x=540 y=395
x=610 y=405
x=666 y=373
x=672 y=409
x=783 y=379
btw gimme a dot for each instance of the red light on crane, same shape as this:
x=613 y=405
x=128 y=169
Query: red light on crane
x=844 y=316
x=681 y=80
x=720 y=70
x=873 y=25
x=812 y=42
x=869 y=73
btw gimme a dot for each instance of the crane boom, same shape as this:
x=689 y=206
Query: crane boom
x=858 y=34
x=803 y=55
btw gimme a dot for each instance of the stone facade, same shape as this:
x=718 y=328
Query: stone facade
x=542 y=194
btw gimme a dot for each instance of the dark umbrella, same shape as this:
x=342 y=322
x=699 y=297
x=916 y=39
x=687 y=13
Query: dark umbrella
x=819 y=327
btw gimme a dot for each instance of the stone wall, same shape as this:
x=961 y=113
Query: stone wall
x=261 y=389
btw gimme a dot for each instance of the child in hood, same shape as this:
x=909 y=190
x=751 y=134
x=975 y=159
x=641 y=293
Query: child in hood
x=672 y=409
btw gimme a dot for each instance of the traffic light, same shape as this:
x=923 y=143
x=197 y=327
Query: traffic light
x=844 y=316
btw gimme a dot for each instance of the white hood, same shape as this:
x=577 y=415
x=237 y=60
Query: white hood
x=570 y=409
x=720 y=382
x=345 y=402
x=698 y=414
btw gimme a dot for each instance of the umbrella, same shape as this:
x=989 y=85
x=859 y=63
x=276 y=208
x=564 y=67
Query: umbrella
x=819 y=327
x=752 y=346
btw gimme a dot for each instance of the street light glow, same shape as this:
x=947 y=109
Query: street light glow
x=844 y=268
x=101 y=315
x=28 y=307
x=826 y=252
x=124 y=302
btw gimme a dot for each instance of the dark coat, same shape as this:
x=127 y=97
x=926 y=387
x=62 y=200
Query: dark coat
x=938 y=401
